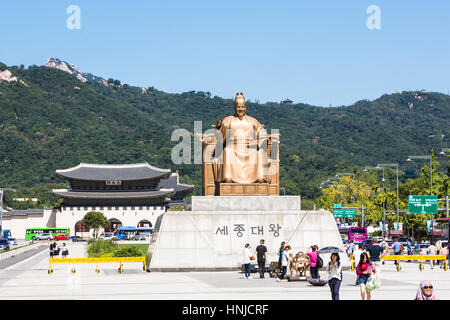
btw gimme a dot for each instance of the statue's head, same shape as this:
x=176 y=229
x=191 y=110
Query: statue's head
x=239 y=105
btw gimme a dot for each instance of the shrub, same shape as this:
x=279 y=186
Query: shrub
x=96 y=248
x=128 y=252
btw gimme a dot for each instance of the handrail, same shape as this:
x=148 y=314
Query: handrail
x=96 y=261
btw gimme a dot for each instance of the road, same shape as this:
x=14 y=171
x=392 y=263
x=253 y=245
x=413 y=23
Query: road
x=29 y=279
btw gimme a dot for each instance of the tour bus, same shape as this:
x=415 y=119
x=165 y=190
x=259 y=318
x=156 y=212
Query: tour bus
x=127 y=233
x=439 y=230
x=355 y=234
x=32 y=233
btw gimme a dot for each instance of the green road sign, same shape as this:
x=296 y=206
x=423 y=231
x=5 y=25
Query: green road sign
x=337 y=205
x=423 y=204
x=344 y=213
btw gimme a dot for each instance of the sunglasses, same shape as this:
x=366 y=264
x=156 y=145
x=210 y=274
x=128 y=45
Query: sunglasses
x=428 y=287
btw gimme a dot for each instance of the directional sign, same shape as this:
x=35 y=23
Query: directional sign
x=344 y=213
x=422 y=204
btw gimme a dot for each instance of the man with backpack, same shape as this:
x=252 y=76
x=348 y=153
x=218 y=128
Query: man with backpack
x=376 y=253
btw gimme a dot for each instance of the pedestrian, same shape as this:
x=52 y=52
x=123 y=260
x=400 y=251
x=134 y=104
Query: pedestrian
x=357 y=256
x=385 y=246
x=443 y=252
x=409 y=248
x=312 y=254
x=334 y=269
x=425 y=291
x=280 y=256
x=350 y=249
x=247 y=261
x=51 y=251
x=65 y=251
x=376 y=253
x=285 y=262
x=397 y=248
x=55 y=249
x=364 y=270
x=261 y=256
x=432 y=251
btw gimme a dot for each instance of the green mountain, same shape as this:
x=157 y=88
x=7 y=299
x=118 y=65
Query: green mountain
x=51 y=120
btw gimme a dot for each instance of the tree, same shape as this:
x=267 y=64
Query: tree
x=95 y=220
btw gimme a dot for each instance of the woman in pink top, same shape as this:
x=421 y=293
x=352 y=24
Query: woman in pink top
x=364 y=270
x=312 y=254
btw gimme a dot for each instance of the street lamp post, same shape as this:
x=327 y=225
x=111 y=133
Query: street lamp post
x=392 y=165
x=384 y=207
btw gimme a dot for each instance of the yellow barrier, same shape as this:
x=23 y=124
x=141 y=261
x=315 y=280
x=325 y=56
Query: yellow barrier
x=97 y=261
x=420 y=258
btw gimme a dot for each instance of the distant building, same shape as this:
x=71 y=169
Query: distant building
x=287 y=101
x=127 y=194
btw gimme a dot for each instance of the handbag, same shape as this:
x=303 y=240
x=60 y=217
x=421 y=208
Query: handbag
x=252 y=258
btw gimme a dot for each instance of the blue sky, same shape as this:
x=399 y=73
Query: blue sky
x=316 y=52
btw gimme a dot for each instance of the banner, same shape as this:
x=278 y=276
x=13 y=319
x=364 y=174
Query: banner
x=400 y=226
x=396 y=226
x=429 y=225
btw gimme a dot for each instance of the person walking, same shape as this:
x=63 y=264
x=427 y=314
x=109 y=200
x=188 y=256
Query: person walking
x=443 y=252
x=357 y=257
x=312 y=254
x=247 y=261
x=334 y=269
x=425 y=291
x=364 y=270
x=65 y=251
x=51 y=251
x=432 y=251
x=280 y=256
x=350 y=249
x=409 y=248
x=285 y=262
x=376 y=253
x=385 y=246
x=397 y=248
x=261 y=256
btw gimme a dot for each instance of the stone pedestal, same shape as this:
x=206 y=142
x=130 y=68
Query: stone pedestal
x=251 y=189
x=212 y=236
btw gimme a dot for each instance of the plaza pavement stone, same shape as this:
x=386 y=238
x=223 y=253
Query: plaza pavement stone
x=29 y=279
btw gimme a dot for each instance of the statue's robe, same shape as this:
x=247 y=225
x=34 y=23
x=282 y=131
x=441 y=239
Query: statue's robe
x=243 y=161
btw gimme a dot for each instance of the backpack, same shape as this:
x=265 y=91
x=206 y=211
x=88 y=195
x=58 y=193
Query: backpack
x=402 y=248
x=319 y=263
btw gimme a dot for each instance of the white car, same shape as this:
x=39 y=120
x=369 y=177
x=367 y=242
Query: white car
x=45 y=236
x=107 y=236
x=143 y=236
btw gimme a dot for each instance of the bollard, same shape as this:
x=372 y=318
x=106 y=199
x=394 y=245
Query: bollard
x=73 y=268
x=96 y=269
x=353 y=263
x=421 y=265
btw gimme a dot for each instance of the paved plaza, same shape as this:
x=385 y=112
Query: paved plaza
x=28 y=279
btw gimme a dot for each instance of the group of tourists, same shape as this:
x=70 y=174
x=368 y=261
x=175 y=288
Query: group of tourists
x=367 y=262
x=57 y=248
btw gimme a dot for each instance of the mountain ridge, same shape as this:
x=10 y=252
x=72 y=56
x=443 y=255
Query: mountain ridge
x=59 y=121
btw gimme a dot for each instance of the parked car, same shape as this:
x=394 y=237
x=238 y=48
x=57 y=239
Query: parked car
x=45 y=236
x=75 y=238
x=143 y=236
x=421 y=248
x=4 y=245
x=61 y=237
x=107 y=236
